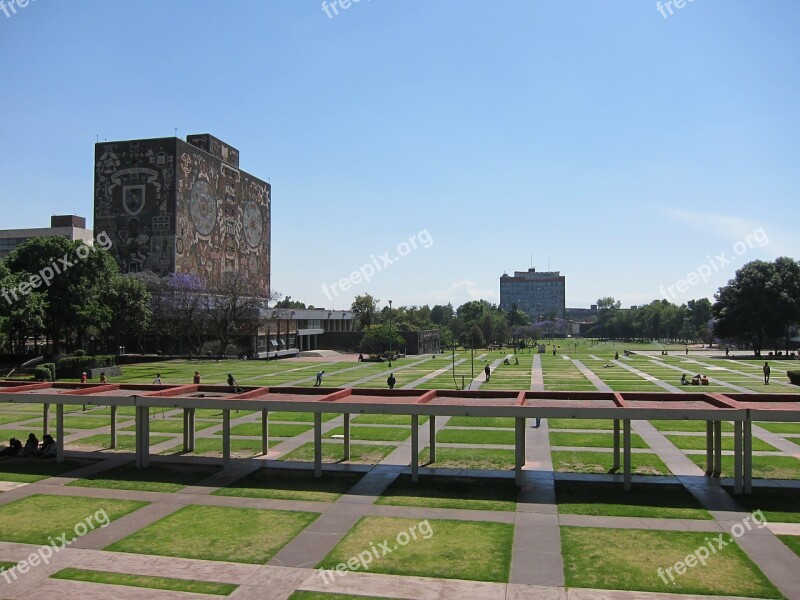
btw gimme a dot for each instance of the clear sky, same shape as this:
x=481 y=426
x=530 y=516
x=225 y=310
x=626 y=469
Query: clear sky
x=627 y=149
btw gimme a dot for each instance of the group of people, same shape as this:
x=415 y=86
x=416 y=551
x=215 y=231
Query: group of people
x=31 y=447
x=696 y=380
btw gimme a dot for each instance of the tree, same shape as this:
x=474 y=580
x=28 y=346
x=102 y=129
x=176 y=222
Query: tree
x=376 y=340
x=759 y=303
x=130 y=305
x=365 y=309
x=442 y=314
x=289 y=303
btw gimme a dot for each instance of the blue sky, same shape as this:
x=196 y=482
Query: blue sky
x=627 y=150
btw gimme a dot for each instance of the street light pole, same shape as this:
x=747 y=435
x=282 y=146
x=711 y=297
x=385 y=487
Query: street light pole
x=390 y=334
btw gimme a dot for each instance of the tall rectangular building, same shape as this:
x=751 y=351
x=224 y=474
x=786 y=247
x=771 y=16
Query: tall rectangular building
x=540 y=295
x=170 y=206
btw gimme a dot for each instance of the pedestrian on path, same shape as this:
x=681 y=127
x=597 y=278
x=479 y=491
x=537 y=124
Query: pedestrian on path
x=319 y=379
x=157 y=380
x=233 y=384
x=196 y=379
x=488 y=372
x=391 y=381
x=766 y=373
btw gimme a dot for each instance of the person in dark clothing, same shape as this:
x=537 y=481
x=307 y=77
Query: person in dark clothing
x=766 y=373
x=233 y=385
x=488 y=372
x=391 y=381
x=31 y=446
x=14 y=448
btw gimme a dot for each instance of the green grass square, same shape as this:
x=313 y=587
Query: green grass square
x=475 y=436
x=592 y=440
x=374 y=434
x=34 y=519
x=125 y=442
x=372 y=419
x=157 y=477
x=655 y=500
x=334 y=452
x=300 y=417
x=764 y=467
x=681 y=425
x=698 y=442
x=778 y=505
x=466 y=493
x=469 y=550
x=605 y=424
x=244 y=535
x=499 y=422
x=146 y=581
x=792 y=541
x=469 y=458
x=212 y=446
x=171 y=426
x=642 y=463
x=31 y=470
x=285 y=484
x=283 y=430
x=779 y=427
x=629 y=559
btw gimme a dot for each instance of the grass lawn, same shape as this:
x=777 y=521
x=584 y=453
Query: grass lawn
x=621 y=559
x=7 y=418
x=601 y=462
x=4 y=564
x=30 y=470
x=778 y=505
x=212 y=446
x=592 y=440
x=144 y=581
x=124 y=442
x=302 y=417
x=33 y=519
x=505 y=422
x=286 y=484
x=122 y=411
x=454 y=549
x=171 y=426
x=469 y=458
x=582 y=424
x=85 y=421
x=475 y=436
x=158 y=477
x=666 y=501
x=698 y=442
x=373 y=434
x=334 y=452
x=793 y=541
x=474 y=493
x=764 y=467
x=387 y=420
x=245 y=535
x=275 y=429
x=776 y=427
x=697 y=426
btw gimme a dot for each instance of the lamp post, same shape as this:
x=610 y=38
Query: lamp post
x=390 y=334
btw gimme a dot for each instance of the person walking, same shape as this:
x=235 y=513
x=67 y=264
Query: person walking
x=391 y=381
x=196 y=379
x=157 y=380
x=234 y=385
x=488 y=372
x=766 y=373
x=319 y=379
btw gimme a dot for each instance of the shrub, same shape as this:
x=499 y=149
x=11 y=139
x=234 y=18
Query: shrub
x=79 y=353
x=73 y=366
x=42 y=373
x=794 y=376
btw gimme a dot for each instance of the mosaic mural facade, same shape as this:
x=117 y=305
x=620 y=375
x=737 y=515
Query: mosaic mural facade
x=170 y=206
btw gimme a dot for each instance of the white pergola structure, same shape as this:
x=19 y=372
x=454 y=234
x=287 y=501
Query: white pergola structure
x=621 y=408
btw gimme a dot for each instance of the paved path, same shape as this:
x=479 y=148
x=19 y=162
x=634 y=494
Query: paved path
x=537 y=375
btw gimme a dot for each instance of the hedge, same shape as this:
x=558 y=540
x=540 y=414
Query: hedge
x=73 y=366
x=794 y=376
x=45 y=372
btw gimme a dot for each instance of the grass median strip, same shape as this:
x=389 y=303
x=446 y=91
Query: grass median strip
x=764 y=467
x=469 y=458
x=334 y=452
x=147 y=581
x=245 y=535
x=374 y=434
x=31 y=470
x=155 y=478
x=645 y=463
x=655 y=500
x=592 y=440
x=467 y=493
x=629 y=559
x=471 y=550
x=284 y=484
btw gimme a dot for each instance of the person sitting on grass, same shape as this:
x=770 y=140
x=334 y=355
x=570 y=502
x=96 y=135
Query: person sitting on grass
x=30 y=446
x=14 y=448
x=48 y=448
x=703 y=380
x=696 y=379
x=684 y=381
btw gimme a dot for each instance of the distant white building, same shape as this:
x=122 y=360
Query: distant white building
x=71 y=227
x=540 y=295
